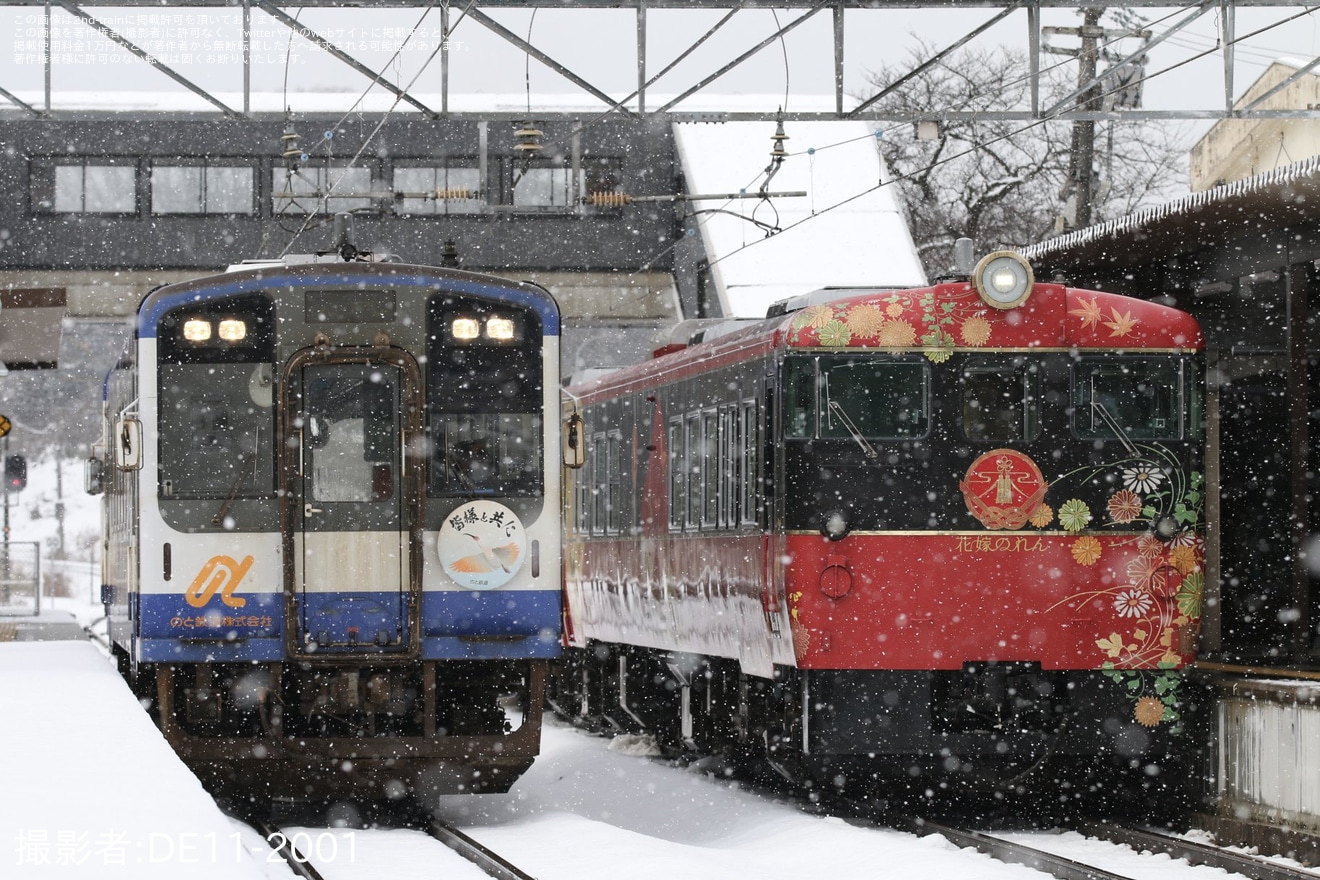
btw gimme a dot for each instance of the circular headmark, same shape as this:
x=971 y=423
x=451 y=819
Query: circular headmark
x=481 y=545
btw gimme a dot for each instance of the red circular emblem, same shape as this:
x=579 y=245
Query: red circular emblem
x=1003 y=488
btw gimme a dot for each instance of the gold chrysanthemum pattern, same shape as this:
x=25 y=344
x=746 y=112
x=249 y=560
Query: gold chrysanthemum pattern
x=975 y=331
x=897 y=334
x=916 y=320
x=865 y=321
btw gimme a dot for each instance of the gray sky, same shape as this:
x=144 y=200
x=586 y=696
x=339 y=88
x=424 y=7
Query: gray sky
x=599 y=45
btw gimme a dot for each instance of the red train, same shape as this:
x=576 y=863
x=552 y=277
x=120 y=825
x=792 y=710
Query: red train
x=952 y=533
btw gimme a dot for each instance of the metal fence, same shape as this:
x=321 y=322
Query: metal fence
x=1269 y=749
x=20 y=577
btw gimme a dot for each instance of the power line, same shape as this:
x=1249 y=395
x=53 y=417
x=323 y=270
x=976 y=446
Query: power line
x=979 y=145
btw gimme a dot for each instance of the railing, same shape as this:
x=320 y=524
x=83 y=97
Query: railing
x=1269 y=735
x=20 y=577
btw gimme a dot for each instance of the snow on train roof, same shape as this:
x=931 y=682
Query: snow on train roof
x=863 y=242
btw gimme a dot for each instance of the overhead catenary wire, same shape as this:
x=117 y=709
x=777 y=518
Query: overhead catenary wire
x=325 y=197
x=976 y=146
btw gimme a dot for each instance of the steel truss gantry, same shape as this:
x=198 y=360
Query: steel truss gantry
x=454 y=12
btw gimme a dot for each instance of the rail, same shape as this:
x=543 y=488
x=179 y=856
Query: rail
x=1195 y=853
x=484 y=858
x=298 y=863
x=1015 y=853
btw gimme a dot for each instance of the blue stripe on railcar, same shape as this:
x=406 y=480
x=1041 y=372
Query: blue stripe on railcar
x=170 y=630
x=518 y=624
x=490 y=624
x=155 y=306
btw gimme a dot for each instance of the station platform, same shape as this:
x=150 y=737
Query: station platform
x=88 y=786
x=48 y=626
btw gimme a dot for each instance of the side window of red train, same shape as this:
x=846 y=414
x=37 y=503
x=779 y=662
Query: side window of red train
x=1001 y=405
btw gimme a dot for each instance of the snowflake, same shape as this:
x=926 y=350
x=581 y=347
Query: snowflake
x=1074 y=515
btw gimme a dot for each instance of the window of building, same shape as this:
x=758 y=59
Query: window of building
x=312 y=189
x=544 y=188
x=438 y=190
x=202 y=189
x=84 y=187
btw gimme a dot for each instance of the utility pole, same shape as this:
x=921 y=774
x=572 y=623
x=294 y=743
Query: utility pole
x=1081 y=176
x=1083 y=150
x=1081 y=170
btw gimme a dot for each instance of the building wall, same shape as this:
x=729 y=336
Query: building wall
x=1235 y=149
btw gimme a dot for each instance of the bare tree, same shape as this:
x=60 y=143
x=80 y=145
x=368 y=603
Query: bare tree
x=1004 y=182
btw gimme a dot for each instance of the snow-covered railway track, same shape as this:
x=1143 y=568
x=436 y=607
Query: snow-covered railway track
x=1017 y=853
x=1101 y=851
x=284 y=846
x=489 y=861
x=1195 y=853
x=366 y=855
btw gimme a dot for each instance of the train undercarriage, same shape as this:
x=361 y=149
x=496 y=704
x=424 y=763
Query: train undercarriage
x=987 y=736
x=371 y=731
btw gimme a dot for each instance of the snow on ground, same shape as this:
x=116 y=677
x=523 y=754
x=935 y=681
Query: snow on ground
x=89 y=787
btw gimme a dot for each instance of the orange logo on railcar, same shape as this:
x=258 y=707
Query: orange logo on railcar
x=1003 y=488
x=220 y=574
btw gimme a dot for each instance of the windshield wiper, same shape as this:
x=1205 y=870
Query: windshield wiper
x=869 y=450
x=1098 y=409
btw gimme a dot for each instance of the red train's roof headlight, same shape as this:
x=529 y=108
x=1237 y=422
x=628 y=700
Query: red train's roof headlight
x=1003 y=279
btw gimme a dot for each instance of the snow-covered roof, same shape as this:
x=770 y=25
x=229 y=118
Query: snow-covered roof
x=846 y=232
x=1192 y=223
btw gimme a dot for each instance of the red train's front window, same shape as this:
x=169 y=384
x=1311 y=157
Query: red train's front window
x=864 y=398
x=1140 y=398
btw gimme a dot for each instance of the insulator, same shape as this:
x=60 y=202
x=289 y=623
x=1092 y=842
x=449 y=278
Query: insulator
x=444 y=194
x=777 y=139
x=290 y=150
x=608 y=199
x=529 y=140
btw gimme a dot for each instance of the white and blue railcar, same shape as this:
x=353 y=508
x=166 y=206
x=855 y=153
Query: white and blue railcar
x=331 y=525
